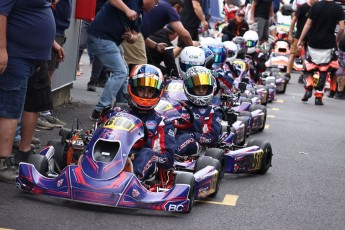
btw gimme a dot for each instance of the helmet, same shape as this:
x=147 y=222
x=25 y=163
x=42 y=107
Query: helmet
x=209 y=57
x=231 y=51
x=252 y=38
x=191 y=56
x=207 y=41
x=198 y=76
x=149 y=76
x=219 y=53
x=241 y=45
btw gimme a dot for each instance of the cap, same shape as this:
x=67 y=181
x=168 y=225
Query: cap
x=240 y=12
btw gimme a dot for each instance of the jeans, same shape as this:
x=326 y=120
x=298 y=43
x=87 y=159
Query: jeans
x=111 y=56
x=13 y=85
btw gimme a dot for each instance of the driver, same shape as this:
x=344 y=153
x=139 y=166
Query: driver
x=199 y=87
x=145 y=89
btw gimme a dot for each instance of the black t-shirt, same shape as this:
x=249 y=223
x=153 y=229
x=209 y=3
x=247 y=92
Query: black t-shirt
x=188 y=16
x=302 y=16
x=263 y=9
x=325 y=16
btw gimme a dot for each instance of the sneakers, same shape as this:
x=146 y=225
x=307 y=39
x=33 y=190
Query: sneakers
x=300 y=79
x=42 y=123
x=340 y=95
x=53 y=120
x=318 y=101
x=95 y=115
x=331 y=94
x=8 y=171
x=21 y=156
x=91 y=87
x=287 y=77
x=307 y=95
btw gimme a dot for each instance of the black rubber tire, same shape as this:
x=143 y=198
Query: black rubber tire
x=246 y=100
x=40 y=163
x=217 y=153
x=268 y=87
x=246 y=125
x=60 y=153
x=208 y=161
x=264 y=110
x=266 y=161
x=187 y=178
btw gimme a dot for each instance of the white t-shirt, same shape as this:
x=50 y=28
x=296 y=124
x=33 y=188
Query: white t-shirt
x=297 y=3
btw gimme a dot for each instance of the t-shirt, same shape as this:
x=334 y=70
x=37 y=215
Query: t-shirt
x=263 y=9
x=157 y=18
x=110 y=23
x=30 y=28
x=188 y=16
x=302 y=16
x=321 y=33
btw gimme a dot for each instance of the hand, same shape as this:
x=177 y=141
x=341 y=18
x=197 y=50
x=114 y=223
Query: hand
x=161 y=47
x=204 y=25
x=251 y=21
x=128 y=35
x=3 y=60
x=290 y=38
x=59 y=51
x=299 y=45
x=131 y=15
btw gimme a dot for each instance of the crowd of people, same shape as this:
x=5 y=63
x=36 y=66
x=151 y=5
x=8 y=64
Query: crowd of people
x=127 y=42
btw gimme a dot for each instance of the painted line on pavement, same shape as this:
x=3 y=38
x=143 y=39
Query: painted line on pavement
x=229 y=200
x=275 y=109
x=279 y=101
x=271 y=116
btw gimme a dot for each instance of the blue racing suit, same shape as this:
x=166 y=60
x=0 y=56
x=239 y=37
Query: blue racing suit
x=205 y=130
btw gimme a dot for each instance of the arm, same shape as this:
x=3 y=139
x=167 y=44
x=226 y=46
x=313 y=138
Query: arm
x=252 y=10
x=199 y=14
x=59 y=51
x=182 y=33
x=167 y=144
x=3 y=44
x=304 y=32
x=160 y=47
x=131 y=14
x=292 y=26
x=340 y=32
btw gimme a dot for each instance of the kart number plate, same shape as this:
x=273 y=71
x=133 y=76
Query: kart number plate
x=119 y=123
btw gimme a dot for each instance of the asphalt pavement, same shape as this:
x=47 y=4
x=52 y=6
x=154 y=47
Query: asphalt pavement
x=303 y=190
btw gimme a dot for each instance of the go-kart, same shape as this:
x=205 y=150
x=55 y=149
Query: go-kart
x=103 y=174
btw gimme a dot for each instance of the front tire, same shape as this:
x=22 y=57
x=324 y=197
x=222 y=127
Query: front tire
x=208 y=161
x=188 y=179
x=266 y=161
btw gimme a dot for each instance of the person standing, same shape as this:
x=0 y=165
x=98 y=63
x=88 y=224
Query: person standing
x=115 y=21
x=321 y=39
x=236 y=27
x=19 y=57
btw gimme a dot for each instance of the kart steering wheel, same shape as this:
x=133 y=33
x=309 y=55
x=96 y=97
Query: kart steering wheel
x=189 y=123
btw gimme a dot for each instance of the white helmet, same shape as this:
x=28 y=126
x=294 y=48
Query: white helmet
x=252 y=40
x=191 y=56
x=199 y=76
x=231 y=51
x=207 y=41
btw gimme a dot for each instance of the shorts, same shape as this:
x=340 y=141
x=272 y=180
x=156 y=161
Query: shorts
x=341 y=70
x=13 y=85
x=53 y=63
x=263 y=28
x=38 y=95
x=294 y=49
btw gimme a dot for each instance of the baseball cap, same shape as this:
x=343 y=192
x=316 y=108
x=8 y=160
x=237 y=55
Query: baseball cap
x=240 y=12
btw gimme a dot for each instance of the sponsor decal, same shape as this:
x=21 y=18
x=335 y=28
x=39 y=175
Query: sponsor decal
x=59 y=183
x=135 y=193
x=171 y=133
x=151 y=124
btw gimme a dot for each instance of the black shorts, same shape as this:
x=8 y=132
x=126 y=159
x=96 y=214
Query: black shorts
x=38 y=94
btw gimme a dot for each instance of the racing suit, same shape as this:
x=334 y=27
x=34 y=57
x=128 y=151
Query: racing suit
x=205 y=130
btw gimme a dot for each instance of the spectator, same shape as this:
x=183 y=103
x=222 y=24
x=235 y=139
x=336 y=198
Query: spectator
x=321 y=40
x=262 y=12
x=104 y=40
x=165 y=35
x=230 y=8
x=19 y=57
x=340 y=94
x=300 y=17
x=236 y=27
x=191 y=17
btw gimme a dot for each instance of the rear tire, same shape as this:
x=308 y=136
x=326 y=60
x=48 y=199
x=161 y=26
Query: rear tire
x=187 y=178
x=266 y=161
x=264 y=110
x=60 y=154
x=217 y=154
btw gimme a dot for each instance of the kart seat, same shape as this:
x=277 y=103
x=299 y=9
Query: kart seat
x=105 y=151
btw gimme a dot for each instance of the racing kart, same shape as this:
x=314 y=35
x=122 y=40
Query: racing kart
x=102 y=173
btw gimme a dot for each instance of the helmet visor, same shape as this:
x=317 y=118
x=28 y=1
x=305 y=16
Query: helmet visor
x=184 y=67
x=230 y=53
x=251 y=43
x=149 y=80
x=198 y=80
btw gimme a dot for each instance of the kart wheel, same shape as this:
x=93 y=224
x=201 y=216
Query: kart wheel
x=187 y=178
x=218 y=154
x=266 y=161
x=60 y=154
x=246 y=100
x=208 y=161
x=268 y=87
x=40 y=163
x=264 y=110
x=285 y=86
x=247 y=129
